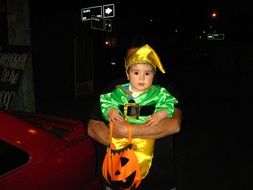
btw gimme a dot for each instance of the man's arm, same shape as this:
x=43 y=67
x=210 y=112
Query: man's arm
x=164 y=128
x=100 y=132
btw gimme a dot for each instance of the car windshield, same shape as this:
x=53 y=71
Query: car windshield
x=11 y=157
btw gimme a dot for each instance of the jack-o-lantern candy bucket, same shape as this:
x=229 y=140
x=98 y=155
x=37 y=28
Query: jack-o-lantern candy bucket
x=120 y=168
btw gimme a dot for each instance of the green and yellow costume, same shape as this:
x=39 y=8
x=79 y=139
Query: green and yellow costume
x=155 y=96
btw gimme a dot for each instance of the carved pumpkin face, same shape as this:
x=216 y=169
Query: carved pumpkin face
x=121 y=168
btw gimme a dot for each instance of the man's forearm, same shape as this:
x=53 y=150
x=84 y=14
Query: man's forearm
x=98 y=131
x=165 y=127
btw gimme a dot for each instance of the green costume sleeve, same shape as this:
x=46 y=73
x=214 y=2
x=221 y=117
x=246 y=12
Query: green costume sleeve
x=112 y=100
x=159 y=97
x=166 y=101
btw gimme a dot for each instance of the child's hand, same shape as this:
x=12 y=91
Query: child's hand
x=114 y=116
x=153 y=120
x=156 y=117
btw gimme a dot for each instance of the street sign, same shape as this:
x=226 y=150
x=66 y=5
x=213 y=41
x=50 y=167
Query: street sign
x=215 y=36
x=108 y=11
x=87 y=13
x=97 y=23
x=108 y=25
x=98 y=16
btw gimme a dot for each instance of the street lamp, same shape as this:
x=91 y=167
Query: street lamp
x=214 y=14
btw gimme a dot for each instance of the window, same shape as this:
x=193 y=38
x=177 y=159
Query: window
x=11 y=157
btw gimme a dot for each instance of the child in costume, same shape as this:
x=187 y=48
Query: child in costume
x=139 y=101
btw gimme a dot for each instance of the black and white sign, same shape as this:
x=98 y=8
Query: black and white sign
x=97 y=23
x=108 y=25
x=87 y=13
x=98 y=15
x=215 y=36
x=12 y=66
x=108 y=11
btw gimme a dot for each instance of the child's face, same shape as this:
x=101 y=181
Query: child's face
x=141 y=76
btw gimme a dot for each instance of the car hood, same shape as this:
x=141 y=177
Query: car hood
x=40 y=132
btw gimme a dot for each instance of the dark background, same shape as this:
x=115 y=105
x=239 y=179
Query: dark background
x=213 y=149
x=55 y=24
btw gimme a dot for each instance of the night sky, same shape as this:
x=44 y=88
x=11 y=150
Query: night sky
x=173 y=28
x=135 y=16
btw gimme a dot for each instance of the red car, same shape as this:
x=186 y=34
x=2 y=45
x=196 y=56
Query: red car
x=41 y=152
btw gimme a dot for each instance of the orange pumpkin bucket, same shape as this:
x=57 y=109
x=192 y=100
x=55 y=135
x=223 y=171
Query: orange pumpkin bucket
x=120 y=168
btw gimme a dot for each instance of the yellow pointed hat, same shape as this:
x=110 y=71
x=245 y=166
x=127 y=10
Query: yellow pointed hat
x=144 y=54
